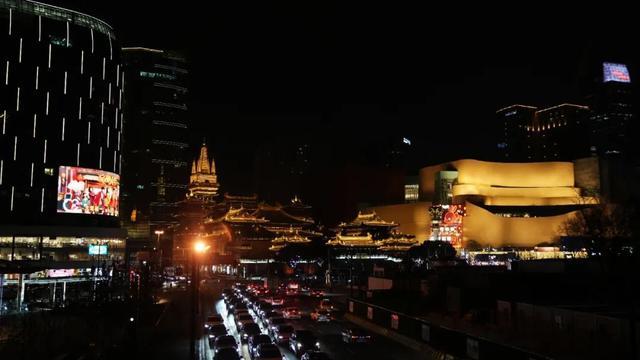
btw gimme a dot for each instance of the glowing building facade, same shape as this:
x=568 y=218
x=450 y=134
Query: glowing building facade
x=497 y=204
x=61 y=99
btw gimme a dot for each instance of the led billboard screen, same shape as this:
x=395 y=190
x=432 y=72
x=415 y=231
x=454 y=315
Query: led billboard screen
x=616 y=72
x=88 y=191
x=98 y=250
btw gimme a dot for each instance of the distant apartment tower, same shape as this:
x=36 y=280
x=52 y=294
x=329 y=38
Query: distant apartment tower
x=512 y=122
x=156 y=118
x=612 y=110
x=560 y=133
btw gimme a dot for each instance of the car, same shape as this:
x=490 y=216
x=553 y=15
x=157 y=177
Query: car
x=256 y=340
x=277 y=301
x=216 y=330
x=302 y=341
x=315 y=355
x=264 y=308
x=267 y=352
x=321 y=315
x=225 y=342
x=271 y=314
x=355 y=335
x=326 y=304
x=249 y=330
x=238 y=307
x=213 y=320
x=282 y=333
x=274 y=322
x=291 y=313
x=243 y=319
x=226 y=293
x=227 y=354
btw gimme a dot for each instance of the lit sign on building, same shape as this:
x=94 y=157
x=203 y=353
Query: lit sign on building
x=616 y=72
x=98 y=250
x=446 y=223
x=88 y=191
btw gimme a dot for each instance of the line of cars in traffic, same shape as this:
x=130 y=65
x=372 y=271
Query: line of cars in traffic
x=263 y=322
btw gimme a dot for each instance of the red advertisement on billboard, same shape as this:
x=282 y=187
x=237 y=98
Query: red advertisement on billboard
x=88 y=191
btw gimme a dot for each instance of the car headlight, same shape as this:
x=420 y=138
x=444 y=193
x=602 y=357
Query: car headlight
x=317 y=344
x=279 y=336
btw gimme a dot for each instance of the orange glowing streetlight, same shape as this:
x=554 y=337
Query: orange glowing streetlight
x=200 y=247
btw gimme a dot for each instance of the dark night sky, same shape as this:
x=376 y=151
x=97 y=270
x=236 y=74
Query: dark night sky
x=264 y=72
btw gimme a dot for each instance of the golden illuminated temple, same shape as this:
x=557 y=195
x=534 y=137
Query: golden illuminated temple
x=203 y=182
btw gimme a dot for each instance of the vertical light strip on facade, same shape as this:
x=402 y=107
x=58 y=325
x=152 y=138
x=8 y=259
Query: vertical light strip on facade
x=100 y=159
x=4 y=122
x=108 y=132
x=78 y=156
x=12 y=191
x=114 y=163
x=101 y=113
x=44 y=157
x=2 y=170
x=104 y=67
x=80 y=109
x=31 y=180
x=63 y=125
x=49 y=62
x=39 y=28
x=120 y=99
x=67 y=38
x=122 y=80
x=6 y=74
x=46 y=106
x=81 y=62
x=65 y=83
x=35 y=119
x=118 y=140
x=109 y=94
x=10 y=19
x=90 y=87
x=92 y=41
x=110 y=49
x=20 y=53
x=15 y=147
x=37 y=77
x=42 y=200
x=89 y=132
x=115 y=119
x=118 y=75
x=18 y=100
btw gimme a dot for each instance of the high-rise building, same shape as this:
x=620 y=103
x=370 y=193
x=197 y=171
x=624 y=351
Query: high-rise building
x=156 y=164
x=611 y=109
x=560 y=132
x=61 y=98
x=512 y=121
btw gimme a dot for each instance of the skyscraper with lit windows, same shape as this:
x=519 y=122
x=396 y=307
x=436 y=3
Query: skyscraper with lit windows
x=157 y=164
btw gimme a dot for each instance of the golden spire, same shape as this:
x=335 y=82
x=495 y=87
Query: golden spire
x=193 y=167
x=203 y=161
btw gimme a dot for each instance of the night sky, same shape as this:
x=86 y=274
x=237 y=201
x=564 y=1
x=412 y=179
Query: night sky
x=346 y=76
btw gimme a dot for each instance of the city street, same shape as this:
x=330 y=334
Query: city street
x=328 y=333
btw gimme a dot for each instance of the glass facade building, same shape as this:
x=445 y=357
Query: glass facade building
x=61 y=97
x=157 y=161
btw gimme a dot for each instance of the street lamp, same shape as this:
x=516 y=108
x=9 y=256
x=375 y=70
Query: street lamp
x=159 y=232
x=198 y=249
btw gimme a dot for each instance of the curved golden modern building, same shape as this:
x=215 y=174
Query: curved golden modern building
x=506 y=204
